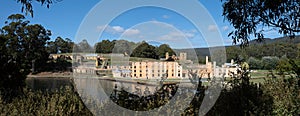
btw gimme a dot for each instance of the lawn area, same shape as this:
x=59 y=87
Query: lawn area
x=259 y=73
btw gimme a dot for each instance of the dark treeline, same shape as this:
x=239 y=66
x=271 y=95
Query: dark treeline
x=140 y=49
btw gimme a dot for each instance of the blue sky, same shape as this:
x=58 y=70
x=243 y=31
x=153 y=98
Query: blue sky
x=144 y=23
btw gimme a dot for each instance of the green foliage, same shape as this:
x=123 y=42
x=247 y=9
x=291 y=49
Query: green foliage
x=275 y=97
x=144 y=50
x=61 y=63
x=235 y=52
x=83 y=46
x=285 y=95
x=243 y=99
x=250 y=17
x=22 y=48
x=28 y=8
x=62 y=102
x=269 y=63
x=283 y=66
x=255 y=63
x=60 y=46
x=123 y=46
x=105 y=46
x=163 y=48
x=295 y=67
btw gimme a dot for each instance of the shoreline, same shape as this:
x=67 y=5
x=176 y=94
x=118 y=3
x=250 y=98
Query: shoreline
x=51 y=75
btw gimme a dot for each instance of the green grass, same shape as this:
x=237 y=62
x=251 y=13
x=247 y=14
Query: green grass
x=257 y=80
x=259 y=73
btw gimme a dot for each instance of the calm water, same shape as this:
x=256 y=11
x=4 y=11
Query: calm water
x=116 y=93
x=50 y=83
x=92 y=85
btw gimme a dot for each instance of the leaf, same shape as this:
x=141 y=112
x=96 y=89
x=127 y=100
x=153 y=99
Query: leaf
x=230 y=33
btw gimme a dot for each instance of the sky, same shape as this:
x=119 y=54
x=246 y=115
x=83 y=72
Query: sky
x=72 y=19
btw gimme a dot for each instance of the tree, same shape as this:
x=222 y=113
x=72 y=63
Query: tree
x=27 y=5
x=105 y=46
x=234 y=52
x=83 y=46
x=60 y=46
x=283 y=65
x=163 y=48
x=22 y=48
x=144 y=50
x=123 y=46
x=270 y=63
x=250 y=17
x=254 y=63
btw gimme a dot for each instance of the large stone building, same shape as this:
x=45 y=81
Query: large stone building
x=156 y=69
x=179 y=67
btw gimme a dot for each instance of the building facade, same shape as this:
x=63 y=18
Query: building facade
x=156 y=69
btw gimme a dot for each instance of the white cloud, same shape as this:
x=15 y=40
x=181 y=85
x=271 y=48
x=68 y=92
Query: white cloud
x=189 y=35
x=118 y=30
x=176 y=35
x=130 y=32
x=101 y=28
x=166 y=16
x=153 y=30
x=225 y=28
x=212 y=28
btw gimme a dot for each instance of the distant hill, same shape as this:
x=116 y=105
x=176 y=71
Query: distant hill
x=202 y=52
x=294 y=40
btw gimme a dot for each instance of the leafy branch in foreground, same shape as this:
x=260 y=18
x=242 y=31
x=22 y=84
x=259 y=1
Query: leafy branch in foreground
x=250 y=17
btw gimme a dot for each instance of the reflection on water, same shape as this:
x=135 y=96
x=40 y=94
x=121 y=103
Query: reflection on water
x=112 y=93
x=137 y=102
x=93 y=86
x=137 y=89
x=50 y=84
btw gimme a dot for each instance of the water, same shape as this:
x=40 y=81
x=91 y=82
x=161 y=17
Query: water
x=95 y=91
x=50 y=84
x=92 y=85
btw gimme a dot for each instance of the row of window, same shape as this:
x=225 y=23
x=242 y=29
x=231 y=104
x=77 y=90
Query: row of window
x=141 y=75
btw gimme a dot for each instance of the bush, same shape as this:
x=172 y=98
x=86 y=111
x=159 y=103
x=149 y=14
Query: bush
x=270 y=63
x=62 y=102
x=285 y=94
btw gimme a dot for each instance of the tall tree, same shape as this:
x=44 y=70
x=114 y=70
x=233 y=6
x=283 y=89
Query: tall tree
x=22 y=48
x=83 y=46
x=144 y=50
x=163 y=48
x=105 y=46
x=60 y=45
x=251 y=17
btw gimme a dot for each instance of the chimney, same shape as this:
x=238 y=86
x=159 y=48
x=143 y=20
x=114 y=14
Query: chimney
x=167 y=55
x=206 y=61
